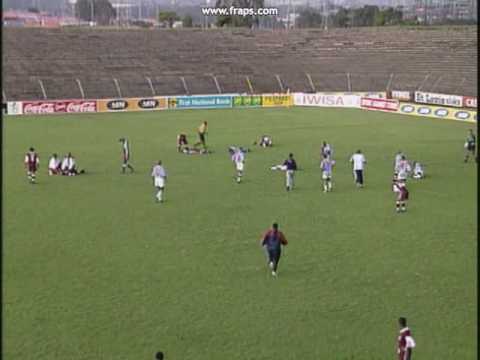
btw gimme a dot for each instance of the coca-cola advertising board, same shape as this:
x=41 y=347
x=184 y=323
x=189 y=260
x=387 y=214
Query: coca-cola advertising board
x=438 y=99
x=470 y=102
x=59 y=106
x=379 y=104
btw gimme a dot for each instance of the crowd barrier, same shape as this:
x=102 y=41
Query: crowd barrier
x=393 y=102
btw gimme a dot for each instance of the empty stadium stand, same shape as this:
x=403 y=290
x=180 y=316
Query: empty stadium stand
x=104 y=63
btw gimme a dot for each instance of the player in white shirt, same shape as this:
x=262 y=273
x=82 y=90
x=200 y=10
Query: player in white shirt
x=396 y=162
x=65 y=165
x=159 y=178
x=54 y=166
x=358 y=160
x=403 y=169
x=69 y=166
x=327 y=150
x=238 y=158
x=327 y=168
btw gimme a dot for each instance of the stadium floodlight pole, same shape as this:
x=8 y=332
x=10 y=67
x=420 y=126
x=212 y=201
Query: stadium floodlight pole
x=92 y=13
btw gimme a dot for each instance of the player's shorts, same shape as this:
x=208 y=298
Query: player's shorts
x=470 y=146
x=326 y=175
x=359 y=177
x=32 y=168
x=159 y=182
x=239 y=166
x=402 y=195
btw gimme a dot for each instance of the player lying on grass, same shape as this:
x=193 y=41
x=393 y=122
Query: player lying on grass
x=195 y=151
x=181 y=142
x=418 y=172
x=265 y=141
x=69 y=166
x=400 y=188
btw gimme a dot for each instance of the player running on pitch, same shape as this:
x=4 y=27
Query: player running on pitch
x=126 y=155
x=327 y=167
x=238 y=159
x=405 y=341
x=272 y=242
x=159 y=178
x=31 y=164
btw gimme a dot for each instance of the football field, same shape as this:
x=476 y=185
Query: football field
x=94 y=268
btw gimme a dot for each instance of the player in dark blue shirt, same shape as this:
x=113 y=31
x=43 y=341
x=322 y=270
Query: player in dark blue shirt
x=291 y=167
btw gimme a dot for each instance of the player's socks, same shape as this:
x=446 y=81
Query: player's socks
x=274 y=273
x=398 y=206
x=270 y=264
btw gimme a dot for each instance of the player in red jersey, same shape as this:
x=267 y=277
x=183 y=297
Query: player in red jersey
x=405 y=342
x=400 y=188
x=31 y=164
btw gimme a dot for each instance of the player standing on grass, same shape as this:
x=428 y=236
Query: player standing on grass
x=400 y=188
x=470 y=146
x=358 y=160
x=31 y=164
x=202 y=131
x=272 y=242
x=405 y=342
x=126 y=155
x=291 y=166
x=238 y=158
x=159 y=178
x=327 y=166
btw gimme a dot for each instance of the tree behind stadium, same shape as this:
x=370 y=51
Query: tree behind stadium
x=238 y=20
x=103 y=11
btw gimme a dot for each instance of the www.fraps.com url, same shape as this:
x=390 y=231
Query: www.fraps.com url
x=239 y=11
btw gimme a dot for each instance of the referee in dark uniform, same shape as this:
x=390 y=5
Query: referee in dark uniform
x=272 y=242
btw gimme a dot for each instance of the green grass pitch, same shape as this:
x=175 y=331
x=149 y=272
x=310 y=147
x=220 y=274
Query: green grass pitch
x=93 y=268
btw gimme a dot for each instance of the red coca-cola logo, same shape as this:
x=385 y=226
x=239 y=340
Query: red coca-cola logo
x=39 y=108
x=469 y=101
x=81 y=107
